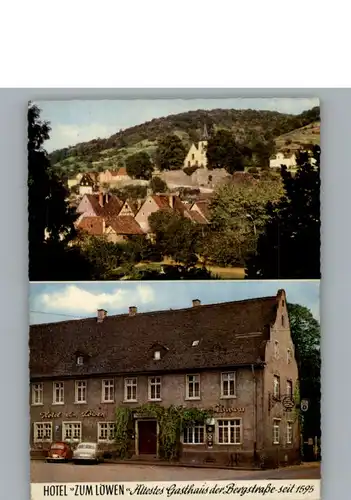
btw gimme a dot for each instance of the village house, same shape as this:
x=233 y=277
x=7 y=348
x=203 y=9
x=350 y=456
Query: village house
x=92 y=205
x=114 y=177
x=196 y=156
x=235 y=361
x=154 y=203
x=87 y=184
x=280 y=159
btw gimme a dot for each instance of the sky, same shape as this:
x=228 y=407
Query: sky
x=79 y=121
x=52 y=302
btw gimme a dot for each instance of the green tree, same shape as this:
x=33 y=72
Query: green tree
x=289 y=247
x=305 y=331
x=223 y=152
x=49 y=216
x=139 y=166
x=158 y=185
x=238 y=216
x=175 y=236
x=170 y=153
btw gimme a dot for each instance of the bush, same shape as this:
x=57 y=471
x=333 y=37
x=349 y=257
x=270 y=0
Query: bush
x=158 y=185
x=253 y=170
x=190 y=170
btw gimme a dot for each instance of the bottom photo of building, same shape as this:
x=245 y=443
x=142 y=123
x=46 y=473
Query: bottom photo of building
x=205 y=379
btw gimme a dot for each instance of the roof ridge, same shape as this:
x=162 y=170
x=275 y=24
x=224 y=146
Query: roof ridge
x=161 y=311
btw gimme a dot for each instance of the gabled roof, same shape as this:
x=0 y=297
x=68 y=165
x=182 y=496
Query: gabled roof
x=91 y=225
x=197 y=217
x=110 y=208
x=87 y=178
x=203 y=206
x=124 y=224
x=229 y=334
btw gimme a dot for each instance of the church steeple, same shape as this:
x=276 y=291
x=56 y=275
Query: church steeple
x=204 y=134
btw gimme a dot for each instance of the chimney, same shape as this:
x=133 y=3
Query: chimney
x=101 y=199
x=133 y=311
x=171 y=200
x=103 y=226
x=107 y=197
x=101 y=315
x=196 y=302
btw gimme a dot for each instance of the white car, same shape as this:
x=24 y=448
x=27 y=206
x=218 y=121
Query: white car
x=87 y=452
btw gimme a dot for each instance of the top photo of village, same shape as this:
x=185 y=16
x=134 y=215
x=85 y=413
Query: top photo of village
x=194 y=189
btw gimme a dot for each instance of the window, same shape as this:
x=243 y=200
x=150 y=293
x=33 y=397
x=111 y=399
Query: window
x=283 y=303
x=283 y=320
x=228 y=385
x=193 y=386
x=276 y=387
x=42 y=431
x=189 y=164
x=193 y=156
x=276 y=349
x=289 y=389
x=80 y=391
x=276 y=431
x=195 y=343
x=229 y=431
x=289 y=432
x=71 y=431
x=130 y=389
x=80 y=360
x=37 y=394
x=58 y=393
x=154 y=388
x=108 y=391
x=288 y=356
x=106 y=431
x=194 y=435
x=157 y=355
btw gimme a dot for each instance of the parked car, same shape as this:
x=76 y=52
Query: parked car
x=88 y=452
x=60 y=452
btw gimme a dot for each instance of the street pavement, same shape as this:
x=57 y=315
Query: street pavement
x=42 y=472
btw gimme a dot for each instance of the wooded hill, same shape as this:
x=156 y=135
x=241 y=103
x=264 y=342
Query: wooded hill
x=247 y=126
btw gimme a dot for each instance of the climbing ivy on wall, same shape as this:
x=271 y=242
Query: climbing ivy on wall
x=171 y=420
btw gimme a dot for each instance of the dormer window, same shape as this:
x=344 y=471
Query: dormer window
x=195 y=343
x=157 y=355
x=80 y=360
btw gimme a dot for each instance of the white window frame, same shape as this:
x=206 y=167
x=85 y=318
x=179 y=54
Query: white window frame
x=197 y=380
x=61 y=390
x=239 y=423
x=108 y=384
x=38 y=388
x=276 y=394
x=80 y=360
x=109 y=425
x=276 y=349
x=71 y=440
x=76 y=391
x=157 y=355
x=289 y=432
x=289 y=387
x=36 y=425
x=227 y=375
x=276 y=430
x=191 y=432
x=154 y=382
x=130 y=382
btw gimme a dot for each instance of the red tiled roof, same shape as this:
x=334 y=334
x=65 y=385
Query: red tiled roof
x=161 y=201
x=122 y=171
x=230 y=334
x=125 y=224
x=92 y=225
x=110 y=208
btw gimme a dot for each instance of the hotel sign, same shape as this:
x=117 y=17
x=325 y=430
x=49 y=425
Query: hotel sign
x=222 y=409
x=72 y=414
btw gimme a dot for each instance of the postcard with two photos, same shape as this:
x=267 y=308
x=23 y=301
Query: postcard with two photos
x=174 y=268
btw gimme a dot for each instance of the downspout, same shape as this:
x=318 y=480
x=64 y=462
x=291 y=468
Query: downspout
x=254 y=411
